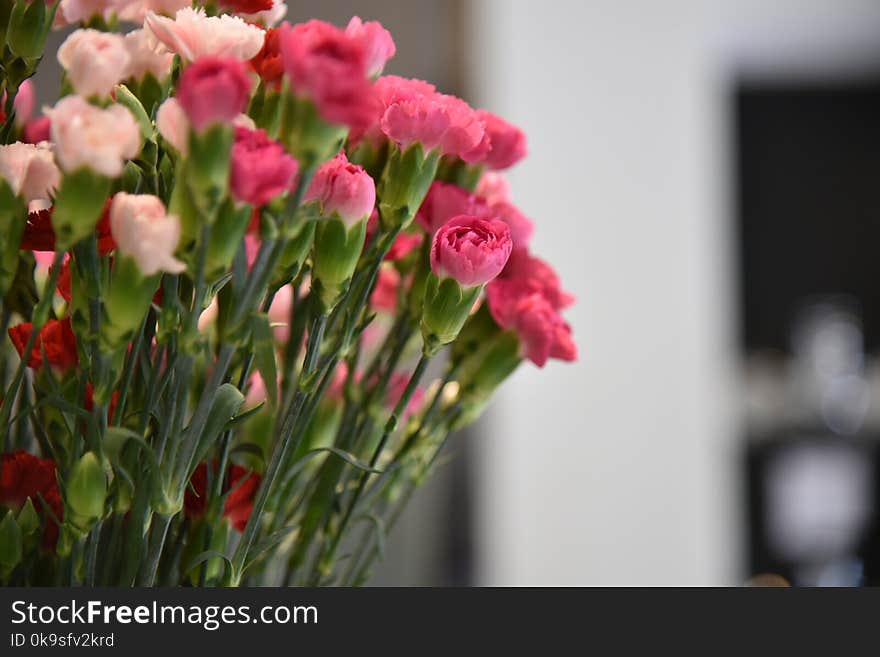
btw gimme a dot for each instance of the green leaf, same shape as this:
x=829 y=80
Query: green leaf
x=269 y=542
x=204 y=556
x=264 y=354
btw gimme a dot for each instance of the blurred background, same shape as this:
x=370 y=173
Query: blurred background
x=705 y=176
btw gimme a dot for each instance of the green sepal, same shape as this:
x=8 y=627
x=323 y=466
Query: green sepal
x=10 y=542
x=28 y=519
x=405 y=181
x=264 y=354
x=265 y=110
x=335 y=256
x=13 y=217
x=86 y=488
x=224 y=406
x=305 y=134
x=446 y=309
x=458 y=172
x=207 y=171
x=227 y=235
x=126 y=301
x=294 y=254
x=78 y=206
x=29 y=25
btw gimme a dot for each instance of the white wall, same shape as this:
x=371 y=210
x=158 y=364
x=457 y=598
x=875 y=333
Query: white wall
x=622 y=469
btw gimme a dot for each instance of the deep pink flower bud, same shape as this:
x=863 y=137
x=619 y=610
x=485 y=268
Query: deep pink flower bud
x=330 y=68
x=261 y=169
x=214 y=90
x=343 y=188
x=37 y=130
x=471 y=250
x=507 y=143
x=445 y=201
x=375 y=40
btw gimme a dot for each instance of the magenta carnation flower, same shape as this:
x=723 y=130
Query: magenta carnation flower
x=471 y=250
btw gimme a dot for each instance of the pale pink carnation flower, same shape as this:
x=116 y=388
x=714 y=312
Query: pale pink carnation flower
x=144 y=57
x=172 y=124
x=344 y=189
x=144 y=231
x=88 y=136
x=79 y=11
x=192 y=34
x=95 y=61
x=134 y=11
x=30 y=170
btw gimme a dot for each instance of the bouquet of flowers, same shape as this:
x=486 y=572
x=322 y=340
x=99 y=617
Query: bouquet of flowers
x=250 y=286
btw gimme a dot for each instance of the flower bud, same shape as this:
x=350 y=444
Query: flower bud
x=143 y=230
x=446 y=308
x=344 y=190
x=29 y=25
x=404 y=183
x=471 y=250
x=260 y=169
x=337 y=250
x=28 y=519
x=87 y=487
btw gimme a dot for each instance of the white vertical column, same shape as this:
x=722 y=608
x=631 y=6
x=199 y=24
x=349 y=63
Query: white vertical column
x=618 y=469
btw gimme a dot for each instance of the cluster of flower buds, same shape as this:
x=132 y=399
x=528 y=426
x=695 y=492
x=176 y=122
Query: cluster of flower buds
x=219 y=251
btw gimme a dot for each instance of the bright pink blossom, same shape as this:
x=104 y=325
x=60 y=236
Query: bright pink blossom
x=437 y=121
x=387 y=90
x=344 y=189
x=445 y=201
x=330 y=68
x=542 y=332
x=261 y=169
x=376 y=42
x=507 y=143
x=527 y=274
x=472 y=250
x=521 y=227
x=37 y=130
x=214 y=90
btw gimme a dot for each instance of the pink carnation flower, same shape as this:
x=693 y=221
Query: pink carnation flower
x=214 y=90
x=521 y=227
x=261 y=169
x=344 y=189
x=472 y=250
x=95 y=61
x=192 y=35
x=37 y=130
x=542 y=332
x=387 y=90
x=493 y=187
x=527 y=274
x=330 y=68
x=172 y=124
x=25 y=102
x=384 y=295
x=88 y=136
x=507 y=143
x=145 y=57
x=143 y=230
x=445 y=201
x=29 y=170
x=413 y=113
x=376 y=42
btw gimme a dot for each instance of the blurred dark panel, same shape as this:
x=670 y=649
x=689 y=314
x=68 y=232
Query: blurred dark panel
x=809 y=165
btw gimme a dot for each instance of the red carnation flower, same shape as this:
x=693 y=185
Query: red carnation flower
x=56 y=338
x=247 y=6
x=239 y=503
x=40 y=236
x=268 y=63
x=23 y=476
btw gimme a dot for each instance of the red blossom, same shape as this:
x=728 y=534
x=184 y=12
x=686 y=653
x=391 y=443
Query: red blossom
x=23 y=476
x=268 y=63
x=40 y=236
x=239 y=503
x=56 y=338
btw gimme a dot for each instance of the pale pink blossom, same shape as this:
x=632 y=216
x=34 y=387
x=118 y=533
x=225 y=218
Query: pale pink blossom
x=80 y=11
x=30 y=170
x=135 y=11
x=472 y=250
x=493 y=187
x=209 y=315
x=192 y=34
x=144 y=57
x=172 y=124
x=88 y=136
x=376 y=41
x=343 y=189
x=145 y=232
x=95 y=61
